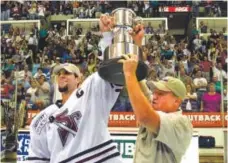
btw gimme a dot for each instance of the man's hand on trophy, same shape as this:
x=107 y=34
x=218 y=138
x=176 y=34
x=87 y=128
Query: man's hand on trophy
x=106 y=23
x=137 y=34
x=130 y=63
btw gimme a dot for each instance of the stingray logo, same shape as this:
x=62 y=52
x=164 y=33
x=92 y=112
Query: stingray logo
x=69 y=121
x=20 y=145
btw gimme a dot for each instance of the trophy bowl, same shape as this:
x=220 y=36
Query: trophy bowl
x=112 y=71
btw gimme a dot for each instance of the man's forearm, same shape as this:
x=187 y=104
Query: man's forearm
x=143 y=110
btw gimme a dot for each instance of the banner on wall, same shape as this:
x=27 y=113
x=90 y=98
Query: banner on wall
x=198 y=119
x=175 y=9
x=23 y=146
x=3 y=142
x=128 y=119
x=30 y=115
x=124 y=142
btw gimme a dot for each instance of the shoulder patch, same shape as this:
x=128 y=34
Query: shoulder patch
x=40 y=123
x=79 y=93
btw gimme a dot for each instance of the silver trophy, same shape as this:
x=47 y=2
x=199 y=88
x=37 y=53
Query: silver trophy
x=122 y=43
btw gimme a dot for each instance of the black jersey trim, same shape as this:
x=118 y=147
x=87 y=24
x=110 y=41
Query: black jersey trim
x=37 y=158
x=87 y=151
x=109 y=157
x=96 y=155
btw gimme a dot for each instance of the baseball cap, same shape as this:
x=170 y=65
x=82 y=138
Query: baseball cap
x=71 y=68
x=169 y=84
x=43 y=74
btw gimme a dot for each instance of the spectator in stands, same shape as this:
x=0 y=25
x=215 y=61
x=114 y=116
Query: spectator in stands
x=182 y=73
x=189 y=81
x=161 y=29
x=141 y=8
x=135 y=7
x=92 y=62
x=212 y=52
x=152 y=75
x=197 y=42
x=6 y=88
x=184 y=62
x=216 y=10
x=38 y=73
x=43 y=35
x=9 y=66
x=68 y=8
x=218 y=84
x=24 y=13
x=43 y=92
x=167 y=52
x=166 y=68
x=190 y=102
x=203 y=27
x=206 y=65
x=148 y=9
x=195 y=7
x=29 y=104
x=211 y=100
x=149 y=29
x=75 y=8
x=41 y=10
x=32 y=91
x=32 y=44
x=20 y=90
x=219 y=72
x=26 y=73
x=200 y=84
x=81 y=13
x=194 y=71
x=5 y=10
x=16 y=13
x=79 y=30
x=155 y=8
x=33 y=11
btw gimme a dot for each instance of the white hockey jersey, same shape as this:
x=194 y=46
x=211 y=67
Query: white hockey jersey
x=76 y=131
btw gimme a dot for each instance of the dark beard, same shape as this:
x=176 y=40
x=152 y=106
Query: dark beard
x=64 y=89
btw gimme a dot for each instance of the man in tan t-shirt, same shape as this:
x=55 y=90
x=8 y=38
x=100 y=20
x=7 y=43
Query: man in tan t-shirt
x=164 y=133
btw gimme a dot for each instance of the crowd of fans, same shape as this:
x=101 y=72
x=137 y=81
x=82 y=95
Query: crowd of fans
x=28 y=59
x=16 y=10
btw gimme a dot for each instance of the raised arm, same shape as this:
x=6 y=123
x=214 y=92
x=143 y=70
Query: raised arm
x=143 y=110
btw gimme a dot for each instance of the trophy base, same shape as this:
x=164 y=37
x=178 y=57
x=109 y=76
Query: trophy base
x=112 y=71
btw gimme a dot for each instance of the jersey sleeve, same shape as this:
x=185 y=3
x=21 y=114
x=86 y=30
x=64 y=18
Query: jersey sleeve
x=102 y=93
x=175 y=131
x=104 y=42
x=38 y=148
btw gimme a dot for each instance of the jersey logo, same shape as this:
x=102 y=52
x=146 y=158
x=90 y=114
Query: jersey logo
x=70 y=121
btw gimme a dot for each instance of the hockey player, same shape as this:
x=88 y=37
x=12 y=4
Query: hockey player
x=74 y=129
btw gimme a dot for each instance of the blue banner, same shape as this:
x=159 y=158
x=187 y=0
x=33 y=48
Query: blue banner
x=23 y=145
x=3 y=141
